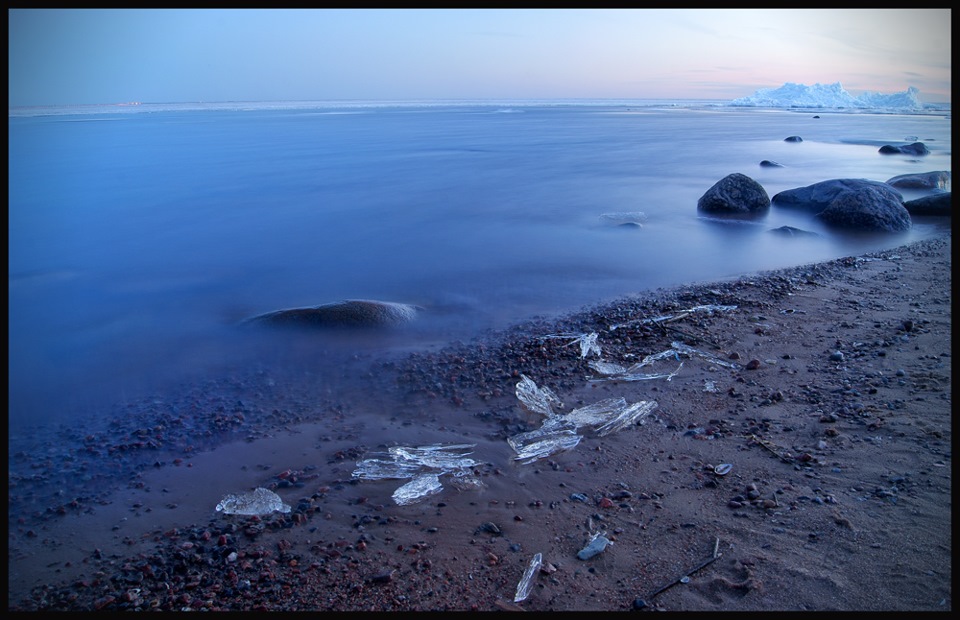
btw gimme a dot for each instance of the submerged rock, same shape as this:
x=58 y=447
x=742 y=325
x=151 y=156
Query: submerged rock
x=790 y=231
x=348 y=313
x=917 y=148
x=938 y=179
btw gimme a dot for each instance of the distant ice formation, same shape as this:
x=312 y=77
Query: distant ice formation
x=829 y=96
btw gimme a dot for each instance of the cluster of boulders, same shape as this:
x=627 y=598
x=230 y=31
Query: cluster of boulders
x=850 y=204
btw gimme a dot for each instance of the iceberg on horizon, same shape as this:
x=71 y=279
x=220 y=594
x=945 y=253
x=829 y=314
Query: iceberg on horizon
x=829 y=96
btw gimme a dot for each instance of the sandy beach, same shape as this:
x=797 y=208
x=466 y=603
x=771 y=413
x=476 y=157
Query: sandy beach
x=798 y=458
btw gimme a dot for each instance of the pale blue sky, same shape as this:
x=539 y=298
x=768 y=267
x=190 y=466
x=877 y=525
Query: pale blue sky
x=84 y=56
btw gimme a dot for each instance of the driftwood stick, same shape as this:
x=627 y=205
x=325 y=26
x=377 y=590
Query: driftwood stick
x=716 y=554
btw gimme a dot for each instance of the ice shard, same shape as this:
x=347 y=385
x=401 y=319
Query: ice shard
x=526 y=582
x=260 y=501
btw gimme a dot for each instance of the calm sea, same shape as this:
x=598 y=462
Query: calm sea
x=140 y=236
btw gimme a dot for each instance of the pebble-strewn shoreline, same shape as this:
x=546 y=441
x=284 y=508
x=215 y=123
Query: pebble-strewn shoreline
x=264 y=563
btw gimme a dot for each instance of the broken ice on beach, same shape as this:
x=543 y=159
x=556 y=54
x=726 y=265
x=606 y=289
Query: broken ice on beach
x=423 y=466
x=559 y=432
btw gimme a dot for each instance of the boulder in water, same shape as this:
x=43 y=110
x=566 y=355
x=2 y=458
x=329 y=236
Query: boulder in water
x=347 y=313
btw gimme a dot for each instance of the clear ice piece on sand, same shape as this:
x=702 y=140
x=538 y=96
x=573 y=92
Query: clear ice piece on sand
x=526 y=582
x=631 y=414
x=708 y=308
x=588 y=344
x=537 y=399
x=420 y=487
x=443 y=458
x=540 y=443
x=688 y=350
x=383 y=469
x=597 y=413
x=607 y=368
x=424 y=465
x=558 y=432
x=596 y=546
x=260 y=501
x=411 y=462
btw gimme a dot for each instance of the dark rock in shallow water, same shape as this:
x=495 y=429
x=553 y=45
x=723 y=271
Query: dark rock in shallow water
x=917 y=148
x=815 y=198
x=790 y=231
x=935 y=204
x=766 y=163
x=850 y=203
x=866 y=209
x=938 y=179
x=349 y=313
x=735 y=195
x=793 y=139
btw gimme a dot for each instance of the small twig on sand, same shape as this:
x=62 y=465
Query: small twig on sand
x=716 y=554
x=783 y=455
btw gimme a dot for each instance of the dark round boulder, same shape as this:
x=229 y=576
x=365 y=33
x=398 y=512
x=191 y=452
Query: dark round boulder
x=793 y=139
x=735 y=195
x=766 y=163
x=935 y=204
x=867 y=209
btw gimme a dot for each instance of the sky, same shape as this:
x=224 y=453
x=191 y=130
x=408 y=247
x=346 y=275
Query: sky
x=97 y=56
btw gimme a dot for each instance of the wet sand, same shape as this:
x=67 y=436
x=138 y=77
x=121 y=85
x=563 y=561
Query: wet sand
x=825 y=388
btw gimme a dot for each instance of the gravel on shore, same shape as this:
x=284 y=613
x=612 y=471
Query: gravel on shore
x=824 y=389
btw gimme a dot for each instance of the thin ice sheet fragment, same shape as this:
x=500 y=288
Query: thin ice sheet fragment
x=588 y=342
x=709 y=309
x=526 y=582
x=260 y=501
x=541 y=443
x=595 y=414
x=632 y=414
x=688 y=350
x=424 y=465
x=588 y=345
x=607 y=368
x=444 y=458
x=635 y=376
x=420 y=487
x=385 y=469
x=537 y=399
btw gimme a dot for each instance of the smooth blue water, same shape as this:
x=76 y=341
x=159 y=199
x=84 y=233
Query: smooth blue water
x=139 y=237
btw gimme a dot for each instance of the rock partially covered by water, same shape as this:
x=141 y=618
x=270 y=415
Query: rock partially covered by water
x=866 y=209
x=937 y=179
x=735 y=195
x=935 y=204
x=348 y=313
x=815 y=198
x=917 y=148
x=850 y=203
x=791 y=231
